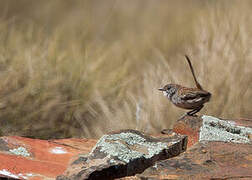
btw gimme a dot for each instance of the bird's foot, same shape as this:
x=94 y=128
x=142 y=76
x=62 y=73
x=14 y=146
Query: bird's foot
x=188 y=114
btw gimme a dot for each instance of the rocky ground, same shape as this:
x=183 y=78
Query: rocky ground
x=196 y=148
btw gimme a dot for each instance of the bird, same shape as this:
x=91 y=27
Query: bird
x=192 y=99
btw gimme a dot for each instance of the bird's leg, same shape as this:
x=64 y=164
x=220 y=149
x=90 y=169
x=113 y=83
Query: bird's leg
x=166 y=131
x=183 y=116
x=194 y=111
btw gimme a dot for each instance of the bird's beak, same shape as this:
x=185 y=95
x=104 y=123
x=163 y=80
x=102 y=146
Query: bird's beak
x=161 y=89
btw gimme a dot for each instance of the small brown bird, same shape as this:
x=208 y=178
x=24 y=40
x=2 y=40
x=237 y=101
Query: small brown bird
x=187 y=98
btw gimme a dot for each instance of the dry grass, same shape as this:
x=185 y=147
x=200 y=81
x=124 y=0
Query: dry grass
x=85 y=68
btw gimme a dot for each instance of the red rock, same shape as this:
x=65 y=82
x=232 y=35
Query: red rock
x=213 y=160
x=230 y=158
x=190 y=126
x=38 y=159
x=213 y=129
x=219 y=149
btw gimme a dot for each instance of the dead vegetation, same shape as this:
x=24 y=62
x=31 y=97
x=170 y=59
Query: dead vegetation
x=85 y=68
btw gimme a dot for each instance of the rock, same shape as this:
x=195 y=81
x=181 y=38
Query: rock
x=124 y=153
x=214 y=129
x=190 y=126
x=212 y=160
x=219 y=149
x=208 y=128
x=25 y=158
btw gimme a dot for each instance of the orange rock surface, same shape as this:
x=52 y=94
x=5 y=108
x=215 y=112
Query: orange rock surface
x=25 y=158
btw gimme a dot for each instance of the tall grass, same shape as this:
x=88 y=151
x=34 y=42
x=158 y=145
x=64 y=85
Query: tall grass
x=84 y=68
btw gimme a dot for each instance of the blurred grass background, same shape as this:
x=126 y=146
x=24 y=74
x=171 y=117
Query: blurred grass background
x=83 y=68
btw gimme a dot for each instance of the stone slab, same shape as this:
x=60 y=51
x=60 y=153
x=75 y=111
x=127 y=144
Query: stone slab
x=124 y=153
x=213 y=160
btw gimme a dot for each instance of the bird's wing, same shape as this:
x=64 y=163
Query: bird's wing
x=189 y=94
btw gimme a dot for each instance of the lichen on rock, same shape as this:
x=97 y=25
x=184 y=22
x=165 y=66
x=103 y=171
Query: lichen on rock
x=20 y=151
x=214 y=129
x=124 y=153
x=127 y=146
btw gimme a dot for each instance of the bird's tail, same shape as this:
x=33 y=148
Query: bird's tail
x=194 y=77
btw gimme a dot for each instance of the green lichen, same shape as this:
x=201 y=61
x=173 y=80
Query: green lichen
x=214 y=129
x=20 y=151
x=119 y=146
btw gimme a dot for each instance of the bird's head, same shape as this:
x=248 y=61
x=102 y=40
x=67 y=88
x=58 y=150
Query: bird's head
x=169 y=90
